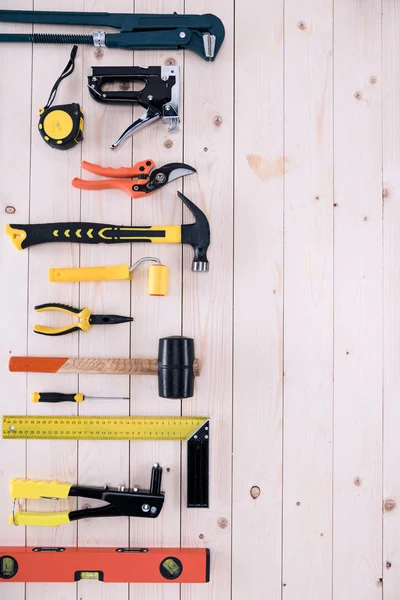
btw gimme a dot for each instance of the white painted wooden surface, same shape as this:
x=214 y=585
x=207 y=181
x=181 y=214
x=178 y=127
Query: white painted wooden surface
x=294 y=131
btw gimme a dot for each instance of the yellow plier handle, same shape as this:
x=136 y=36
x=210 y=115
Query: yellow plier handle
x=40 y=519
x=84 y=324
x=34 y=489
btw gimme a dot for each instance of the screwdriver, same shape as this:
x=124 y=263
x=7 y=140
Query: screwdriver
x=57 y=397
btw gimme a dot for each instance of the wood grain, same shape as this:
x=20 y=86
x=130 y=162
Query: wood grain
x=14 y=193
x=357 y=484
x=156 y=317
x=208 y=297
x=391 y=295
x=296 y=325
x=258 y=301
x=51 y=199
x=308 y=301
x=106 y=366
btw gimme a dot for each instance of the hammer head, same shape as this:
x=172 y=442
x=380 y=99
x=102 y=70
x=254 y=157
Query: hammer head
x=196 y=234
x=175 y=367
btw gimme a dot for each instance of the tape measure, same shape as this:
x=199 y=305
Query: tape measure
x=61 y=126
x=22 y=427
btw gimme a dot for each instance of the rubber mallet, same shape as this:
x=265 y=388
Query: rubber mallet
x=176 y=366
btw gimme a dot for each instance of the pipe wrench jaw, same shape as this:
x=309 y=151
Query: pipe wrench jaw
x=159 y=96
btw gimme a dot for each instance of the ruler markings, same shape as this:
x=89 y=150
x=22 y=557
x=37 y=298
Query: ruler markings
x=101 y=428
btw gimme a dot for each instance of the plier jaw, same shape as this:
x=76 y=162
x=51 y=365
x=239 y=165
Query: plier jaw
x=86 y=319
x=121 y=502
x=146 y=179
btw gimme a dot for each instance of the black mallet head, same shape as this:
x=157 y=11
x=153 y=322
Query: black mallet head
x=177 y=367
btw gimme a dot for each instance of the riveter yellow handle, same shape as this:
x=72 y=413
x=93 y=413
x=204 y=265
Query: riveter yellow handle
x=35 y=488
x=40 y=519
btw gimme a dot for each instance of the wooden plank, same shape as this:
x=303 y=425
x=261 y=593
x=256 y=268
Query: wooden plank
x=157 y=317
x=14 y=138
x=207 y=297
x=391 y=290
x=104 y=462
x=52 y=199
x=308 y=303
x=258 y=301
x=357 y=542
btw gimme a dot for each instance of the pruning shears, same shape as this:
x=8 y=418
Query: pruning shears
x=145 y=178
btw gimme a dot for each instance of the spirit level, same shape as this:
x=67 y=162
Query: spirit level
x=111 y=565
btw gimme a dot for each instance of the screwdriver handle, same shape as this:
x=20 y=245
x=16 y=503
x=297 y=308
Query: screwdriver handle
x=56 y=397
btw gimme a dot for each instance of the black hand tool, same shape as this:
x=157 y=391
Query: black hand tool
x=196 y=234
x=55 y=397
x=160 y=95
x=147 y=179
x=84 y=324
x=175 y=367
x=203 y=34
x=121 y=502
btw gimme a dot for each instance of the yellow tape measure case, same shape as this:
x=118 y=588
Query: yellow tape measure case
x=61 y=126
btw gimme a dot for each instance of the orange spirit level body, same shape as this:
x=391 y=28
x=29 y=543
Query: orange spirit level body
x=111 y=565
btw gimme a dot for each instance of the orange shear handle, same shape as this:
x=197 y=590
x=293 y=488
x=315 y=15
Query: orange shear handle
x=126 y=185
x=139 y=169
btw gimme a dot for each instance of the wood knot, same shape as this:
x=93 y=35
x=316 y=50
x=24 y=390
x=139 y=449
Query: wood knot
x=385 y=192
x=222 y=522
x=357 y=481
x=389 y=504
x=301 y=25
x=168 y=143
x=201 y=536
x=98 y=53
x=388 y=564
x=365 y=219
x=10 y=210
x=217 y=120
x=317 y=198
x=297 y=503
x=335 y=204
x=255 y=492
x=170 y=61
x=123 y=85
x=373 y=80
x=205 y=149
x=358 y=95
x=168 y=469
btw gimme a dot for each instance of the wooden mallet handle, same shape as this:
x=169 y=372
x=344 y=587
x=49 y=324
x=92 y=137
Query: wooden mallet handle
x=106 y=366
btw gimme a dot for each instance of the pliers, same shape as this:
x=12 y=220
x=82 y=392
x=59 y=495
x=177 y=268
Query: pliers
x=121 y=502
x=147 y=179
x=87 y=319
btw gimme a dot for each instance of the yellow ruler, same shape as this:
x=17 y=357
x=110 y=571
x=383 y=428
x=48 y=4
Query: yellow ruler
x=22 y=427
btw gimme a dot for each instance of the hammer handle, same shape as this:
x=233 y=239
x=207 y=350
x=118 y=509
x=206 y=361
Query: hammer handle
x=24 y=236
x=108 y=366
